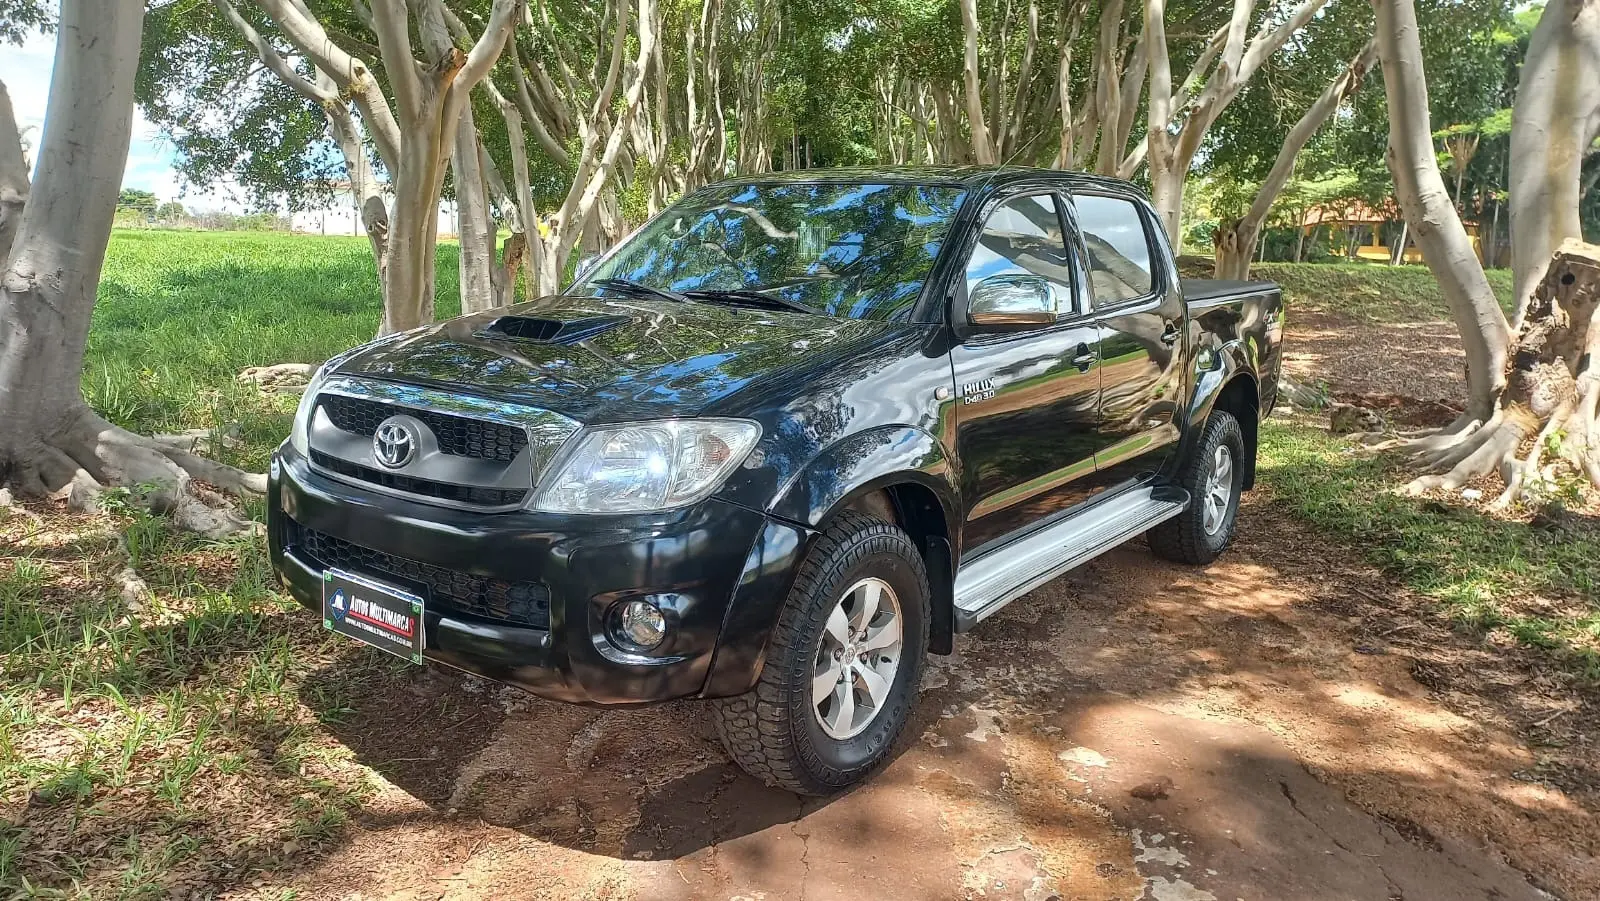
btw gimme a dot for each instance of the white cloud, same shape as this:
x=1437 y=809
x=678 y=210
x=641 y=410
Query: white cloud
x=26 y=72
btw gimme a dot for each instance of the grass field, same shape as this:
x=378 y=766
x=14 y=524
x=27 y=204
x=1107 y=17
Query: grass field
x=180 y=742
x=1374 y=292
x=181 y=313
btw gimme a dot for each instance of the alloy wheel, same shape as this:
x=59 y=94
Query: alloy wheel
x=857 y=659
x=1218 y=494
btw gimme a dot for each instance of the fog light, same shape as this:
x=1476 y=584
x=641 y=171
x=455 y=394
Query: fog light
x=638 y=626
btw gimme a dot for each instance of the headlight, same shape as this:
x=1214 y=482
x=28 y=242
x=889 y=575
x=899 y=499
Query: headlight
x=299 y=432
x=647 y=466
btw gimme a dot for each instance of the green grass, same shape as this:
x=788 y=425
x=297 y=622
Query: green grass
x=181 y=313
x=179 y=744
x=169 y=745
x=1539 y=586
x=1369 y=291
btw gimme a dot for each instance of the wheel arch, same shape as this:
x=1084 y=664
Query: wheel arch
x=898 y=469
x=1230 y=384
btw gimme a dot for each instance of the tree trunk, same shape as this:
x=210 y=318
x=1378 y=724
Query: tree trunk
x=1554 y=119
x=1431 y=215
x=1399 y=255
x=475 y=226
x=983 y=151
x=1554 y=381
x=1545 y=387
x=52 y=442
x=1236 y=241
x=13 y=175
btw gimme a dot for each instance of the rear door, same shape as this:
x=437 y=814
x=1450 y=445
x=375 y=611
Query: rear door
x=1026 y=430
x=1138 y=308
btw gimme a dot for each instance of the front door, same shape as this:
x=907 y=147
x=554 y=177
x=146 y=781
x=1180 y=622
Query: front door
x=1142 y=363
x=1026 y=429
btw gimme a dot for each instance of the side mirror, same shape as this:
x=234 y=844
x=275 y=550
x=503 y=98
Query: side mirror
x=584 y=266
x=1012 y=301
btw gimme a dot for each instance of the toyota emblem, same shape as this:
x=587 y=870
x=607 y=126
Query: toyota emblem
x=394 y=444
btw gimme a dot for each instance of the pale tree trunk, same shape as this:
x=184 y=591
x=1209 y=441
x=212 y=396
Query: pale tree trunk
x=1430 y=213
x=1171 y=145
x=415 y=139
x=13 y=175
x=983 y=149
x=1554 y=119
x=475 y=225
x=324 y=91
x=53 y=443
x=1236 y=240
x=1543 y=386
x=600 y=153
x=1399 y=255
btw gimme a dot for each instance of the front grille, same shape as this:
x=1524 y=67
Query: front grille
x=523 y=603
x=457 y=435
x=444 y=491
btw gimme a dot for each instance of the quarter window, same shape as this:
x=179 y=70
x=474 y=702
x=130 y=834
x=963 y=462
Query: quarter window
x=1119 y=250
x=1024 y=236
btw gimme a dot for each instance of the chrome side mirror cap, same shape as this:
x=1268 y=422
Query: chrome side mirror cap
x=1012 y=301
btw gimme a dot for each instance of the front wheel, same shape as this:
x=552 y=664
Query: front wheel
x=1213 y=474
x=842 y=665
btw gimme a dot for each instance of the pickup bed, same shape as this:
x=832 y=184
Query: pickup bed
x=783 y=442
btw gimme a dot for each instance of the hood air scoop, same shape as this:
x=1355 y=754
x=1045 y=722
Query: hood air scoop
x=551 y=331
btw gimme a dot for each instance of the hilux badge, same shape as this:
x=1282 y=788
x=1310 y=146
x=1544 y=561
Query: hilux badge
x=394 y=443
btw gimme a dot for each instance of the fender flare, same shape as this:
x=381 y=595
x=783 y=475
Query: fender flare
x=835 y=478
x=1227 y=365
x=1228 y=362
x=865 y=462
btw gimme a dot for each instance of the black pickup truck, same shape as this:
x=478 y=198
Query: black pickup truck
x=786 y=440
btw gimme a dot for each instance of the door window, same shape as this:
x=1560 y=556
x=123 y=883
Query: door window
x=1023 y=236
x=1118 y=247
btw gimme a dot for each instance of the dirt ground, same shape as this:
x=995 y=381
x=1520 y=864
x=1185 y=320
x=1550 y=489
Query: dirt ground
x=1264 y=728
x=1285 y=724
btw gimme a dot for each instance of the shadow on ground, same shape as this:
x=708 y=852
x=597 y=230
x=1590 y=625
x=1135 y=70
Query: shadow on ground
x=1133 y=730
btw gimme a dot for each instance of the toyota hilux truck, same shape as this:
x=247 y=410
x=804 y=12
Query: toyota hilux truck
x=779 y=445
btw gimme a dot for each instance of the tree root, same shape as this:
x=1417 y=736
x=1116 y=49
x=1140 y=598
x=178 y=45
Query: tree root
x=1578 y=446
x=85 y=455
x=1488 y=449
x=287 y=378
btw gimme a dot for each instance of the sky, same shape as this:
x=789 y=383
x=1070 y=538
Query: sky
x=26 y=73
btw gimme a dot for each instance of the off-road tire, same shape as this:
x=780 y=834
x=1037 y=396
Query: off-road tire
x=1184 y=538
x=771 y=731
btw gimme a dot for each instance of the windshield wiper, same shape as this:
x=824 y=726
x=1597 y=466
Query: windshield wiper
x=639 y=289
x=753 y=298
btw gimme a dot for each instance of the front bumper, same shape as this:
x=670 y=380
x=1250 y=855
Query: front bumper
x=718 y=570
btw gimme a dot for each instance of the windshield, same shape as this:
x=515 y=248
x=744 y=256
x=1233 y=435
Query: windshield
x=860 y=251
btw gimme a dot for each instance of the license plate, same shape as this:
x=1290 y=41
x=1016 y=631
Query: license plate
x=386 y=617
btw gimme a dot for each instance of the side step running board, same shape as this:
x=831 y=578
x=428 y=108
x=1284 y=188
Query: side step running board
x=997 y=578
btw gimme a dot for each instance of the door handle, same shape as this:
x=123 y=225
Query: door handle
x=1085 y=358
x=1169 y=335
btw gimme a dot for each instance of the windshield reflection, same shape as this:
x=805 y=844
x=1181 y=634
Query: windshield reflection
x=860 y=251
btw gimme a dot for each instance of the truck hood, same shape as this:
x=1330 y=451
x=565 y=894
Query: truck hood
x=611 y=360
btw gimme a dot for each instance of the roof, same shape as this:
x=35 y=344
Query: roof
x=962 y=176
x=1353 y=212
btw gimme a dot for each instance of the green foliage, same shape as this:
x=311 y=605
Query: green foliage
x=20 y=18
x=137 y=201
x=1539 y=587
x=228 y=119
